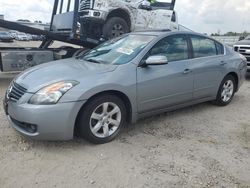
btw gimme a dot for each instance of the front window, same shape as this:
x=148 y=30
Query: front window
x=120 y=50
x=162 y=4
x=175 y=48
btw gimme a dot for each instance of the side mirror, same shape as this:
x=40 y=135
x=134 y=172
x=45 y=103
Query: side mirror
x=145 y=5
x=157 y=60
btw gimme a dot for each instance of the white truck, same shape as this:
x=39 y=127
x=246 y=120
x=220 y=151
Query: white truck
x=243 y=47
x=111 y=18
x=86 y=23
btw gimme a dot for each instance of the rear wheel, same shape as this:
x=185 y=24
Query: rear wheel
x=114 y=27
x=226 y=91
x=102 y=119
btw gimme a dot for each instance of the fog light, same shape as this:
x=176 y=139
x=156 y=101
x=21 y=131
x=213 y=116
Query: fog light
x=31 y=128
x=97 y=14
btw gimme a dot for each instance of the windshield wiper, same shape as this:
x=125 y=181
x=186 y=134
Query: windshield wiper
x=93 y=61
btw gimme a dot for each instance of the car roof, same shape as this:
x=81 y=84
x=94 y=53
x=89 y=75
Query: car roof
x=164 y=32
x=167 y=32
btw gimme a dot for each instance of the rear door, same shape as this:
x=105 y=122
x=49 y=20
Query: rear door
x=208 y=66
x=161 y=86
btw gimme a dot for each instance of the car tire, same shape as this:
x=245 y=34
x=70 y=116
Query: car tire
x=115 y=27
x=226 y=91
x=102 y=119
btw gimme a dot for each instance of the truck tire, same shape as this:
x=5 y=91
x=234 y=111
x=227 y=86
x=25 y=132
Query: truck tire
x=114 y=27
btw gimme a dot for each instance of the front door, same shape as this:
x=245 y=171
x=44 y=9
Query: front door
x=143 y=16
x=162 y=86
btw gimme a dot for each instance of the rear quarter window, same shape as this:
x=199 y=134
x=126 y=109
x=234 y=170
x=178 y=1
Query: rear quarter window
x=219 y=48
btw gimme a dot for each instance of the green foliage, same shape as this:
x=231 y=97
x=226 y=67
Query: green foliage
x=231 y=33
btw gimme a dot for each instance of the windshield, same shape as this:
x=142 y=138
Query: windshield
x=120 y=50
x=248 y=37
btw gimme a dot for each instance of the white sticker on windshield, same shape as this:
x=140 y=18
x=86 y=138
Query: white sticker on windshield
x=126 y=51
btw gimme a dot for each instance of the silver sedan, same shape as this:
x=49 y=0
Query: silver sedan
x=137 y=75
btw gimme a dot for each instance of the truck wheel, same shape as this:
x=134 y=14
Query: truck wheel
x=114 y=27
x=102 y=119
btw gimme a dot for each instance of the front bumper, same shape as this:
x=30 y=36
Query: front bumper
x=52 y=122
x=93 y=15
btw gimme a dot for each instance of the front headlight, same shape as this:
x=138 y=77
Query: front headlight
x=52 y=93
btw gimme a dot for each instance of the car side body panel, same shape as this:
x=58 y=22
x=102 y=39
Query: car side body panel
x=163 y=85
x=150 y=89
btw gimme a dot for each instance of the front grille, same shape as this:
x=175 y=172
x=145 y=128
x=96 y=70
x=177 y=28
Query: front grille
x=84 y=5
x=244 y=50
x=15 y=92
x=245 y=47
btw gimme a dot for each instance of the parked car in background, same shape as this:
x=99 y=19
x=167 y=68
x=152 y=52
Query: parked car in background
x=124 y=79
x=5 y=37
x=22 y=37
x=13 y=33
x=243 y=47
x=37 y=37
x=29 y=36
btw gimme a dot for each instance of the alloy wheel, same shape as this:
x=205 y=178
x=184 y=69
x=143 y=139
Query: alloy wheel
x=227 y=91
x=117 y=30
x=105 y=120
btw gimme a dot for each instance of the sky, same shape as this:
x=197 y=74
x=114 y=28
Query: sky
x=204 y=16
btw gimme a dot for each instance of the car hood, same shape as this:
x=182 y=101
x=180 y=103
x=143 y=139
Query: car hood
x=40 y=76
x=243 y=42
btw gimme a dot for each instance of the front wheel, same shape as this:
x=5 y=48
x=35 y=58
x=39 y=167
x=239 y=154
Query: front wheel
x=226 y=91
x=101 y=120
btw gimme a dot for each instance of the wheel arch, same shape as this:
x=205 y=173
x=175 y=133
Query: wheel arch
x=121 y=13
x=236 y=77
x=117 y=93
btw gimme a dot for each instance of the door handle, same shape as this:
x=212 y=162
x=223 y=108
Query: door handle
x=223 y=63
x=187 y=71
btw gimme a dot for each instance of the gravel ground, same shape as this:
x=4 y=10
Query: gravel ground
x=198 y=146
